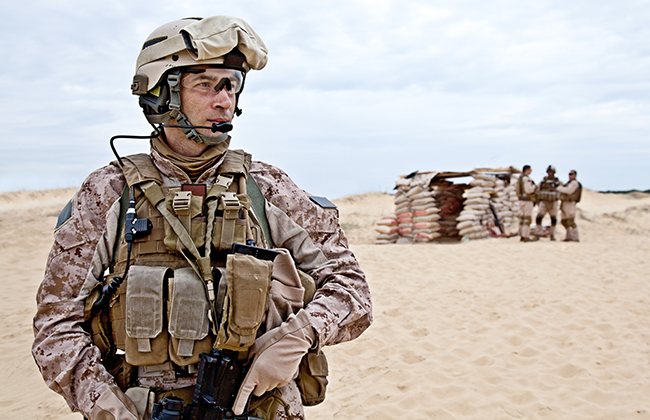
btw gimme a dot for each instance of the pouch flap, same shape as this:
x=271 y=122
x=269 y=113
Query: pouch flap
x=317 y=363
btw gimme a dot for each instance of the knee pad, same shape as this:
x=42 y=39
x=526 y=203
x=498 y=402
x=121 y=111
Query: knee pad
x=553 y=220
x=526 y=220
x=538 y=220
x=565 y=223
x=571 y=223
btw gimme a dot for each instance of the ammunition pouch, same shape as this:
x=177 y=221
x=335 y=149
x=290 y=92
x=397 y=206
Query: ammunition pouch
x=188 y=319
x=145 y=344
x=266 y=405
x=312 y=378
x=157 y=316
x=548 y=196
x=248 y=282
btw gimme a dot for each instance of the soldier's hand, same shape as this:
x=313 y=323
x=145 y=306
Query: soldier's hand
x=277 y=355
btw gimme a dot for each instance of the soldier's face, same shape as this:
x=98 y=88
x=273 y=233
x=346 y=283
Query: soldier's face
x=209 y=97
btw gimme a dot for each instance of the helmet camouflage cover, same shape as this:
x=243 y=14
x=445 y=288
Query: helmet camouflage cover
x=196 y=41
x=219 y=41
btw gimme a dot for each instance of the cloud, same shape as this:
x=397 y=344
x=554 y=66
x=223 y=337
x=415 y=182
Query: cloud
x=362 y=91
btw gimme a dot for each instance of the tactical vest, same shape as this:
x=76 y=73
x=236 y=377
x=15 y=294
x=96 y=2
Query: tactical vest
x=521 y=193
x=171 y=306
x=575 y=196
x=187 y=225
x=171 y=275
x=548 y=188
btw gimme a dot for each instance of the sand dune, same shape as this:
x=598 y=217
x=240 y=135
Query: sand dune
x=490 y=329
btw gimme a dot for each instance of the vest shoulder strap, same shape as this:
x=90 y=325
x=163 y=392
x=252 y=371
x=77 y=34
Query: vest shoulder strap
x=236 y=161
x=520 y=185
x=139 y=168
x=259 y=205
x=124 y=204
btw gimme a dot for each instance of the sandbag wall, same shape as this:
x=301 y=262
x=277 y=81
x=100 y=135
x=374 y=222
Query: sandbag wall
x=487 y=194
x=416 y=214
x=449 y=199
x=428 y=209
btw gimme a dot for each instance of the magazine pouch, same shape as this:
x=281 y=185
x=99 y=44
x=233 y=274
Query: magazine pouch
x=146 y=341
x=248 y=283
x=188 y=318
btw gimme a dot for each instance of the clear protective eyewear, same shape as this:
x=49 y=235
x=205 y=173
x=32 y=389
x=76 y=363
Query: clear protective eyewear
x=213 y=81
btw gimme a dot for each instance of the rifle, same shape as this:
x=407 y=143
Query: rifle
x=217 y=384
x=497 y=221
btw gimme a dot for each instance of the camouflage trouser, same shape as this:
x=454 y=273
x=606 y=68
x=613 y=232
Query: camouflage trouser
x=545 y=207
x=568 y=213
x=525 y=217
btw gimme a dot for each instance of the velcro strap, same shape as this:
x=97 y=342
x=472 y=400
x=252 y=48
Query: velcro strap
x=185 y=347
x=144 y=345
x=153 y=192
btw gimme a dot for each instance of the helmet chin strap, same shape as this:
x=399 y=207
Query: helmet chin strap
x=174 y=79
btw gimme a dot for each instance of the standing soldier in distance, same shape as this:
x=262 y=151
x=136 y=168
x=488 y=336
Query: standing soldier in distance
x=570 y=194
x=547 y=201
x=174 y=288
x=526 y=192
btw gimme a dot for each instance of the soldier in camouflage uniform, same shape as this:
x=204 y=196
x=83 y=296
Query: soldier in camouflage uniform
x=570 y=194
x=526 y=193
x=105 y=360
x=548 y=197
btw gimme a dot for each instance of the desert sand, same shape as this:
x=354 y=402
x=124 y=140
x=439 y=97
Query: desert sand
x=489 y=329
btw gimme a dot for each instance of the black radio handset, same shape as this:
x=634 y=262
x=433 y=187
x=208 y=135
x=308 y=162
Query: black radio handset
x=134 y=228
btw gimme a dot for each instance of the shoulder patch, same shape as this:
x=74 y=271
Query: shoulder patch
x=65 y=215
x=323 y=202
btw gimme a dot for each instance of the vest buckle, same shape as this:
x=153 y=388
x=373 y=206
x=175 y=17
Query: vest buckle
x=181 y=203
x=231 y=205
x=224 y=181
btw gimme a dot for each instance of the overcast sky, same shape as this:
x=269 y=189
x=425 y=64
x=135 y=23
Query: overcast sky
x=355 y=93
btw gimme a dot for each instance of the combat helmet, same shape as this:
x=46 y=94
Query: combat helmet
x=219 y=41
